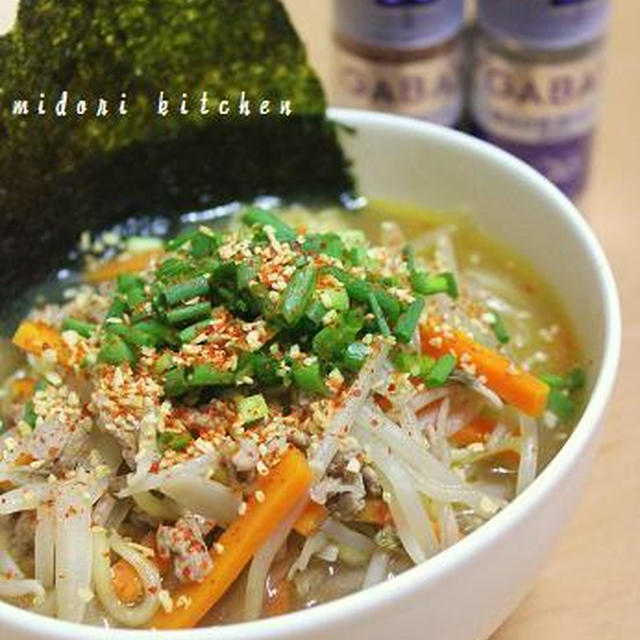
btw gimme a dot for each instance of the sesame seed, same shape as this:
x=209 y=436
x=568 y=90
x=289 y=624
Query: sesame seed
x=354 y=465
x=166 y=601
x=54 y=378
x=218 y=548
x=183 y=601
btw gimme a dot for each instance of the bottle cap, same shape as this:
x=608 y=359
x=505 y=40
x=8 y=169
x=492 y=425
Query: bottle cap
x=399 y=24
x=545 y=24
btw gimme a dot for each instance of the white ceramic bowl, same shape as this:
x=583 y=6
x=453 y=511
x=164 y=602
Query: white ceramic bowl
x=465 y=592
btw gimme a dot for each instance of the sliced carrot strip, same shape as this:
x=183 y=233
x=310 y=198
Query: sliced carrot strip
x=24 y=459
x=125 y=579
x=376 y=512
x=287 y=483
x=311 y=519
x=122 y=264
x=126 y=582
x=476 y=431
x=509 y=458
x=22 y=388
x=515 y=386
x=281 y=601
x=37 y=337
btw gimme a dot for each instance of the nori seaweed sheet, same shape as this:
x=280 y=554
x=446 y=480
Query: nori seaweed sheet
x=59 y=176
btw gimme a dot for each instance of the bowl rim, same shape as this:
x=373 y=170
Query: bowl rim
x=339 y=611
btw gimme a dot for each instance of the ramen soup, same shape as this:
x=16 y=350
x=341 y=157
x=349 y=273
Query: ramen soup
x=266 y=413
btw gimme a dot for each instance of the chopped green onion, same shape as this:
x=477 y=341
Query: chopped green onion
x=559 y=404
x=201 y=245
x=388 y=303
x=361 y=291
x=128 y=281
x=429 y=285
x=410 y=257
x=252 y=408
x=244 y=275
x=331 y=341
x=381 y=321
x=553 y=380
x=136 y=296
x=576 y=379
x=189 y=313
x=163 y=363
x=175 y=243
x=329 y=244
x=206 y=375
x=174 y=441
x=173 y=267
x=298 y=293
x=262 y=218
x=257 y=366
x=441 y=370
x=133 y=335
x=29 y=414
x=337 y=299
x=499 y=329
x=316 y=311
x=355 y=356
x=191 y=332
x=408 y=321
x=187 y=290
x=118 y=308
x=175 y=382
x=357 y=256
x=415 y=364
x=81 y=327
x=156 y=329
x=308 y=377
x=116 y=351
x=327 y=342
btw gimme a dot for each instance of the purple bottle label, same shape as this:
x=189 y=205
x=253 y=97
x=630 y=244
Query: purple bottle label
x=543 y=112
x=565 y=163
x=404 y=3
x=562 y=3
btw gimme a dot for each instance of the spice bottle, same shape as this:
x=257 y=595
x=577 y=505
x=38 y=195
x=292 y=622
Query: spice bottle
x=400 y=56
x=537 y=76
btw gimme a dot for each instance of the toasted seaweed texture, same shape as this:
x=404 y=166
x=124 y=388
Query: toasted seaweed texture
x=61 y=175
